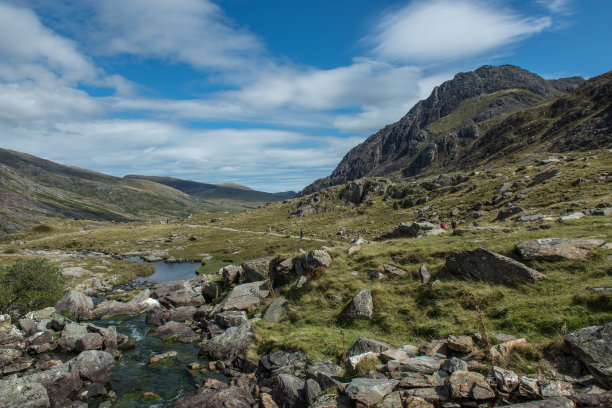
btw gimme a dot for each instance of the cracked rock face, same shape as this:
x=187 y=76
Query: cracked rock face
x=593 y=346
x=361 y=307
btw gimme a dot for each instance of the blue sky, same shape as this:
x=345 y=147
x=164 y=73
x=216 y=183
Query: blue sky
x=266 y=93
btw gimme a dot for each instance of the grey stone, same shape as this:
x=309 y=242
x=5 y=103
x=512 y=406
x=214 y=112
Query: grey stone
x=94 y=365
x=247 y=296
x=182 y=314
x=465 y=384
x=361 y=307
x=506 y=380
x=363 y=345
x=461 y=344
x=556 y=402
x=593 y=346
x=276 y=311
x=555 y=249
x=25 y=395
x=289 y=392
x=8 y=355
x=454 y=364
x=177 y=332
x=369 y=391
x=425 y=275
x=317 y=259
x=257 y=269
x=231 y=274
x=229 y=345
x=482 y=264
x=186 y=292
x=231 y=397
x=89 y=341
x=394 y=270
x=422 y=364
x=77 y=304
x=71 y=333
x=231 y=318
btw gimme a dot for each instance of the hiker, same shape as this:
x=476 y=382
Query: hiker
x=443 y=225
x=454 y=224
x=301 y=234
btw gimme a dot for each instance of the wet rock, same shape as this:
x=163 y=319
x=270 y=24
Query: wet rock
x=257 y=269
x=276 y=311
x=176 y=331
x=231 y=318
x=484 y=265
x=361 y=307
x=156 y=358
x=89 y=341
x=369 y=391
x=229 y=345
x=465 y=384
x=363 y=345
x=247 y=296
x=77 y=305
x=593 y=346
x=233 y=397
x=94 y=365
x=555 y=249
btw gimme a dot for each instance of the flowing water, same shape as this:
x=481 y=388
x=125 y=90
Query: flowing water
x=133 y=374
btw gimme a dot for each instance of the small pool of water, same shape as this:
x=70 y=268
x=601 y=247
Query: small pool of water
x=167 y=272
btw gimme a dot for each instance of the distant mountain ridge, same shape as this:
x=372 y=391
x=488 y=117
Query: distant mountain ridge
x=205 y=191
x=414 y=142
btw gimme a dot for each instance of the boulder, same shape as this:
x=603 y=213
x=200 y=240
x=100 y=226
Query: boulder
x=325 y=373
x=507 y=380
x=212 y=291
x=422 y=364
x=461 y=344
x=186 y=292
x=593 y=346
x=231 y=318
x=355 y=246
x=394 y=270
x=317 y=259
x=231 y=274
x=413 y=230
x=229 y=345
x=555 y=249
x=94 y=365
x=369 y=391
x=363 y=345
x=76 y=304
x=361 y=307
x=556 y=402
x=425 y=275
x=283 y=361
x=247 y=296
x=108 y=308
x=289 y=392
x=231 y=397
x=465 y=384
x=71 y=333
x=177 y=332
x=276 y=311
x=8 y=355
x=482 y=264
x=76 y=272
x=257 y=269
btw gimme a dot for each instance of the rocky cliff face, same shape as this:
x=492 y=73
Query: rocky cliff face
x=410 y=144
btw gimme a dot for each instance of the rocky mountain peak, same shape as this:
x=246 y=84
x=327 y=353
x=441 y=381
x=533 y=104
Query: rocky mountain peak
x=409 y=144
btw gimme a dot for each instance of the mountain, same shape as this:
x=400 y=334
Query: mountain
x=456 y=114
x=33 y=189
x=229 y=191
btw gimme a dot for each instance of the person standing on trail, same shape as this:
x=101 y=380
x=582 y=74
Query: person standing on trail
x=454 y=224
x=301 y=234
x=443 y=225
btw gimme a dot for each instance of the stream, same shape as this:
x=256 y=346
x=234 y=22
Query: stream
x=133 y=374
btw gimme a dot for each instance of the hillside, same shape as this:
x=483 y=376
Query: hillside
x=33 y=189
x=457 y=113
x=230 y=191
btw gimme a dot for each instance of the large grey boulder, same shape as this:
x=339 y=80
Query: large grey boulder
x=94 y=365
x=231 y=274
x=257 y=269
x=71 y=333
x=232 y=397
x=247 y=296
x=593 y=346
x=27 y=395
x=139 y=304
x=361 y=307
x=76 y=272
x=90 y=341
x=78 y=305
x=229 y=345
x=465 y=384
x=7 y=355
x=231 y=318
x=369 y=391
x=422 y=364
x=363 y=345
x=276 y=311
x=182 y=314
x=59 y=381
x=413 y=230
x=176 y=331
x=555 y=249
x=482 y=264
x=186 y=292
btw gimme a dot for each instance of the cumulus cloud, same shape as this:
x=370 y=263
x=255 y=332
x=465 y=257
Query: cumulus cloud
x=446 y=30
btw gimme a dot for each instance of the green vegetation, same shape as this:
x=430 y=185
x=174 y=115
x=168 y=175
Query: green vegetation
x=29 y=284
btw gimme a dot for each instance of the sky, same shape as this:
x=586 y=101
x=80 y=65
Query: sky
x=266 y=93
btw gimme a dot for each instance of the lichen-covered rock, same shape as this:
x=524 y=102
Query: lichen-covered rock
x=276 y=311
x=229 y=345
x=289 y=391
x=26 y=395
x=593 y=346
x=555 y=249
x=363 y=345
x=94 y=365
x=369 y=391
x=482 y=264
x=177 y=332
x=247 y=296
x=231 y=318
x=78 y=305
x=317 y=259
x=257 y=269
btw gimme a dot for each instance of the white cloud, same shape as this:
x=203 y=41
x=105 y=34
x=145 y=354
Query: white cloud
x=446 y=30
x=557 y=6
x=191 y=31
